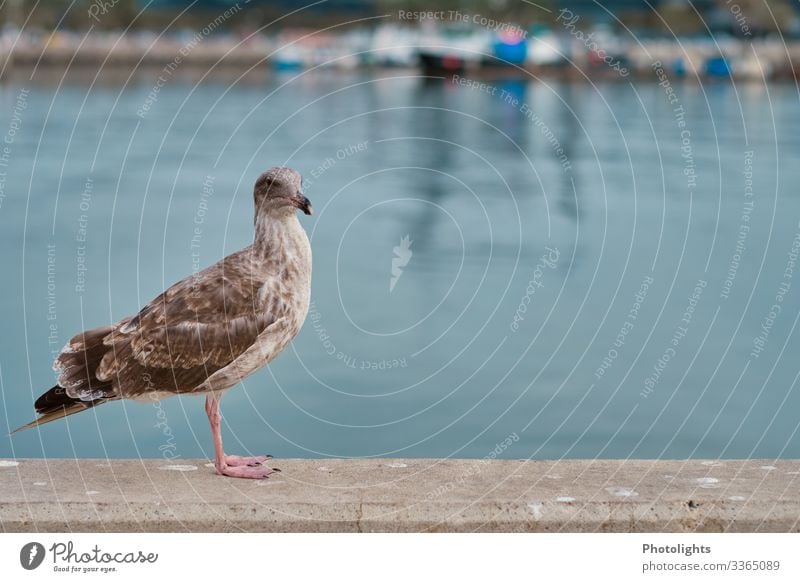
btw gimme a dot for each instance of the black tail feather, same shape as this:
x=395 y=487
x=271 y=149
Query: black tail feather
x=55 y=404
x=54 y=398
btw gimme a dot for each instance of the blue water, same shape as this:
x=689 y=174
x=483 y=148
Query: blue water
x=582 y=279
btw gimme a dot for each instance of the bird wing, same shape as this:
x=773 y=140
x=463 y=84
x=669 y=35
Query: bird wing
x=268 y=344
x=196 y=327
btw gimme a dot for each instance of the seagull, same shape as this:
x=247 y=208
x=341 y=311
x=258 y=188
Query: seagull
x=207 y=332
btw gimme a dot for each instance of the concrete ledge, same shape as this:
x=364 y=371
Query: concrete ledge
x=402 y=495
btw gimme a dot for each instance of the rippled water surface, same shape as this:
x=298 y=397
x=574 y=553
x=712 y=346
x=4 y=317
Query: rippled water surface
x=543 y=270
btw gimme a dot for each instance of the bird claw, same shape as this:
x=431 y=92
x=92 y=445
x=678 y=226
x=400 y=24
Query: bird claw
x=246 y=467
x=237 y=461
x=245 y=472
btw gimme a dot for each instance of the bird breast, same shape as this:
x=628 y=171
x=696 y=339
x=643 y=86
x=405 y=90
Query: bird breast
x=286 y=293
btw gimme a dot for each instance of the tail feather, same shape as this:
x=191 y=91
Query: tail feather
x=78 y=388
x=55 y=404
x=57 y=413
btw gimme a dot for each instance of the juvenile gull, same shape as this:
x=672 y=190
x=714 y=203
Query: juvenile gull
x=205 y=333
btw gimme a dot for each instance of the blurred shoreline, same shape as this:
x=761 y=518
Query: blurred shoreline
x=428 y=52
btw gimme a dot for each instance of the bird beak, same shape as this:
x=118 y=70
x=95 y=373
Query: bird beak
x=302 y=203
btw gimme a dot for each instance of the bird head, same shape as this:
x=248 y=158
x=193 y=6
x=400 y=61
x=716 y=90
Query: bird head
x=280 y=188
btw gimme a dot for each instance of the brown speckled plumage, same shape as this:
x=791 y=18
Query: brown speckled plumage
x=207 y=332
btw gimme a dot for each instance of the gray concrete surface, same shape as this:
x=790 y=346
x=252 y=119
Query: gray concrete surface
x=402 y=495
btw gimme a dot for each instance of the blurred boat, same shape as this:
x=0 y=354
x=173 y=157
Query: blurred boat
x=453 y=49
x=288 y=58
x=545 y=48
x=717 y=67
x=394 y=46
x=305 y=50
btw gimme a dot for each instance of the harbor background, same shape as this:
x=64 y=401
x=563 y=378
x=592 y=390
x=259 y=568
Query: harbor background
x=571 y=39
x=545 y=259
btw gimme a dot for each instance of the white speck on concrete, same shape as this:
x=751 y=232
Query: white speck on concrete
x=711 y=464
x=622 y=492
x=326 y=469
x=668 y=477
x=270 y=482
x=92 y=493
x=553 y=476
x=769 y=468
x=40 y=483
x=8 y=463
x=793 y=472
x=178 y=468
x=396 y=465
x=736 y=498
x=565 y=499
x=536 y=509
x=210 y=465
x=707 y=482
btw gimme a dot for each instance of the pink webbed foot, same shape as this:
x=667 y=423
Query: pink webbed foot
x=245 y=472
x=237 y=461
x=232 y=465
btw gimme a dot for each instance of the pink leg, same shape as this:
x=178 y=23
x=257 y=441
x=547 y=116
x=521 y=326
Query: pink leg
x=231 y=465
